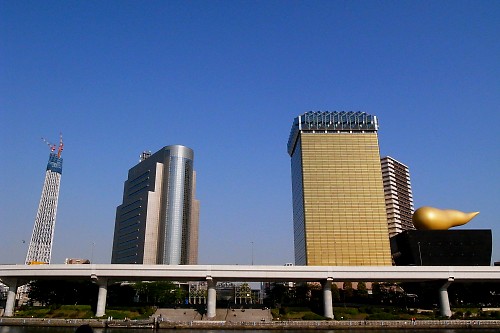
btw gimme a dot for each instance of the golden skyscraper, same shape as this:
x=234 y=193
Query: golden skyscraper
x=339 y=209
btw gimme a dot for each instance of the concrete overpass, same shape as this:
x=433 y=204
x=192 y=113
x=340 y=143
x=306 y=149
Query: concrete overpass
x=16 y=275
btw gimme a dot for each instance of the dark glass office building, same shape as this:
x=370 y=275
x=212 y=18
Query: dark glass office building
x=157 y=223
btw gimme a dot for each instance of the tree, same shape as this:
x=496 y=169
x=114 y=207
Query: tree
x=377 y=291
x=121 y=294
x=159 y=293
x=362 y=290
x=302 y=294
x=316 y=301
x=335 y=293
x=49 y=292
x=348 y=290
x=277 y=294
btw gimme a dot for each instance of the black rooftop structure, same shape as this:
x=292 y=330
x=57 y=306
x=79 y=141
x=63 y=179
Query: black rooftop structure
x=442 y=248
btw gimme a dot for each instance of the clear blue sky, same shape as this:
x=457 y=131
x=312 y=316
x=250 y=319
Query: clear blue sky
x=226 y=78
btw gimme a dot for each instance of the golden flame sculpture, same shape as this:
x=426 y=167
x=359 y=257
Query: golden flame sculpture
x=430 y=218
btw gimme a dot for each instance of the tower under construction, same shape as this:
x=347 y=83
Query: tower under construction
x=40 y=246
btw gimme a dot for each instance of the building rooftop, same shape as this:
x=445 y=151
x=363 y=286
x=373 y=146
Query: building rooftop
x=331 y=122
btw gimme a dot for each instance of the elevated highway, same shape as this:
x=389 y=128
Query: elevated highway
x=15 y=275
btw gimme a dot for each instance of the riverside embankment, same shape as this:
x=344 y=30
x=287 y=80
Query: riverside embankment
x=274 y=325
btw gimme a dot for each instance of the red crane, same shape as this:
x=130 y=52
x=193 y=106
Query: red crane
x=53 y=146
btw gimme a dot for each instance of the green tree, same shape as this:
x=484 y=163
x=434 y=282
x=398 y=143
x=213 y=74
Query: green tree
x=51 y=292
x=348 y=290
x=277 y=294
x=316 y=301
x=159 y=293
x=302 y=294
x=121 y=294
x=362 y=290
x=335 y=293
x=377 y=291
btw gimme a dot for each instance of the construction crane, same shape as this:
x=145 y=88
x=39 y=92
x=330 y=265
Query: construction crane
x=53 y=146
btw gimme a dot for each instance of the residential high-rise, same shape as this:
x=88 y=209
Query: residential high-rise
x=398 y=195
x=157 y=223
x=194 y=226
x=338 y=197
x=40 y=247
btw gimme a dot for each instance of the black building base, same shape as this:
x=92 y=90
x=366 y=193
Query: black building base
x=442 y=248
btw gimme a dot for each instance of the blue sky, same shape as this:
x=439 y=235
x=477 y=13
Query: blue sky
x=226 y=78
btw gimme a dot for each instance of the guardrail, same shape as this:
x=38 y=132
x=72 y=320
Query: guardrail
x=324 y=324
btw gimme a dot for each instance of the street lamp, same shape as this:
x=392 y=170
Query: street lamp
x=92 y=253
x=419 y=253
x=252 y=252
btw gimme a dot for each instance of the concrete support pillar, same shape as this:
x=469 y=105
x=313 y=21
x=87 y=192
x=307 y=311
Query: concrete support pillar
x=327 y=299
x=211 y=298
x=101 y=298
x=444 y=302
x=11 y=297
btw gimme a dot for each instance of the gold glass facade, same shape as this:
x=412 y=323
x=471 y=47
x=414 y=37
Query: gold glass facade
x=339 y=209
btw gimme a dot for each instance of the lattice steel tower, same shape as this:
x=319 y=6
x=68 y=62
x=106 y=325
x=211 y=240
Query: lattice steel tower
x=40 y=246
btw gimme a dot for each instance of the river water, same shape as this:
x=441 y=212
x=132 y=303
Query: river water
x=25 y=329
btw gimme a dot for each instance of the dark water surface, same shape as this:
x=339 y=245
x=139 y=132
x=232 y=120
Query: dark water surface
x=26 y=329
